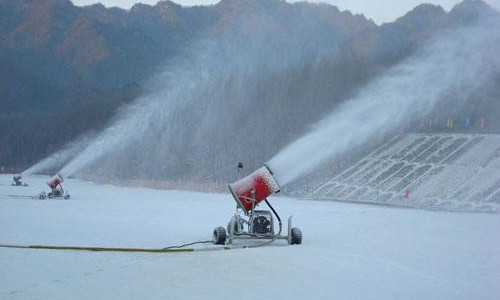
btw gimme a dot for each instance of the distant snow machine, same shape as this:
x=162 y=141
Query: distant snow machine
x=57 y=191
x=17 y=181
x=249 y=223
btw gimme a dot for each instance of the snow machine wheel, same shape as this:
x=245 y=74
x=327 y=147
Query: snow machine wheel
x=66 y=197
x=219 y=235
x=296 y=236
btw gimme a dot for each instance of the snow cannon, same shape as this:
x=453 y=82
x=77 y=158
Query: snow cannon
x=57 y=191
x=255 y=227
x=17 y=180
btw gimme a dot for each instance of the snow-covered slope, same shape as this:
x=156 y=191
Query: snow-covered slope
x=444 y=171
x=350 y=251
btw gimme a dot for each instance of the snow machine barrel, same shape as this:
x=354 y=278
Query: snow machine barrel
x=55 y=181
x=17 y=177
x=248 y=192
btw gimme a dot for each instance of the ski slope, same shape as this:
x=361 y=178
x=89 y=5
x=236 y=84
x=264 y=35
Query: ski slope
x=350 y=251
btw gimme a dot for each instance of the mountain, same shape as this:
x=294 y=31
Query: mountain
x=66 y=70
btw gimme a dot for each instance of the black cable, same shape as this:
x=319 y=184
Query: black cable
x=189 y=244
x=274 y=212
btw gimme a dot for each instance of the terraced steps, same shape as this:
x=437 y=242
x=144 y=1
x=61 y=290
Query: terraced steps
x=438 y=171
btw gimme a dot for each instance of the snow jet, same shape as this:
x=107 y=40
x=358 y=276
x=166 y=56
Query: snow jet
x=181 y=125
x=55 y=161
x=139 y=125
x=454 y=64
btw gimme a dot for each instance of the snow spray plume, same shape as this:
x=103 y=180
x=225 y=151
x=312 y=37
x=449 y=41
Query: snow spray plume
x=455 y=63
x=59 y=158
x=132 y=123
x=198 y=96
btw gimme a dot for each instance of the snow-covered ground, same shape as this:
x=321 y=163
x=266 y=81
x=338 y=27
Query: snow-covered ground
x=350 y=251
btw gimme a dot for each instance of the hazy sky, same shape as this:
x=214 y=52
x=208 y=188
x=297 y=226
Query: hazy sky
x=378 y=10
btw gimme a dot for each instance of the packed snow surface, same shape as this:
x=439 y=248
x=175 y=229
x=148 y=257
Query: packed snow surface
x=350 y=251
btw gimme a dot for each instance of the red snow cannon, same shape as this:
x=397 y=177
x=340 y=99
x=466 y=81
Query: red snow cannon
x=57 y=191
x=248 y=192
x=17 y=180
x=252 y=225
x=55 y=181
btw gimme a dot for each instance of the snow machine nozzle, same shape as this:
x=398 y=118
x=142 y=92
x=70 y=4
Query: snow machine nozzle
x=248 y=192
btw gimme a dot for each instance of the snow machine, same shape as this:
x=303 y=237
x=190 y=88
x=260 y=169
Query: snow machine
x=17 y=181
x=248 y=223
x=57 y=191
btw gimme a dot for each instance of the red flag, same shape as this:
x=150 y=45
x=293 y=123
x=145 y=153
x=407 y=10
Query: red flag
x=407 y=194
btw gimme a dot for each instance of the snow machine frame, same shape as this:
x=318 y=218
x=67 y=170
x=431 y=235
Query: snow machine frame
x=57 y=193
x=241 y=226
x=251 y=224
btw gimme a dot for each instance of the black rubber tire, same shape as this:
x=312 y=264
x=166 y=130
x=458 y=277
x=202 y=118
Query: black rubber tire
x=219 y=236
x=296 y=236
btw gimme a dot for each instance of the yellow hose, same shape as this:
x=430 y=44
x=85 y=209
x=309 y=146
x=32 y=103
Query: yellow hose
x=109 y=249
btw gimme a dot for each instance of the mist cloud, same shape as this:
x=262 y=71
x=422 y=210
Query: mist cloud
x=454 y=64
